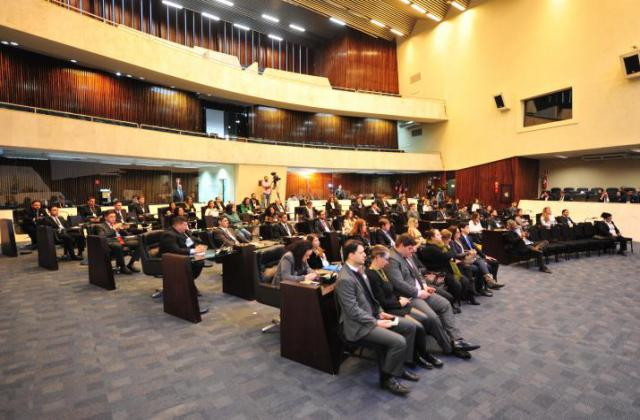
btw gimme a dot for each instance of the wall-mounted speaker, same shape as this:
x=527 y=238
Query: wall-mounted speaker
x=631 y=64
x=500 y=101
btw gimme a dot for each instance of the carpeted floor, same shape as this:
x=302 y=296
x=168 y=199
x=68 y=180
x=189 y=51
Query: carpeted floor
x=558 y=346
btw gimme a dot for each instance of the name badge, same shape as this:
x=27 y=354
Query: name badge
x=189 y=242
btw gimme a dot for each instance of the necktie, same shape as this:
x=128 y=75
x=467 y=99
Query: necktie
x=466 y=239
x=118 y=236
x=414 y=271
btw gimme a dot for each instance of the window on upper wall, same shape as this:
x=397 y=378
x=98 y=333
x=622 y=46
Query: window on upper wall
x=548 y=108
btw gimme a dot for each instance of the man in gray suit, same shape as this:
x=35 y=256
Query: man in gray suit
x=407 y=280
x=363 y=321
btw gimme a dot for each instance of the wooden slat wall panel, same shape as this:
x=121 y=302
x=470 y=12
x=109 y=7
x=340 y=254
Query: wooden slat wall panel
x=35 y=80
x=357 y=61
x=296 y=126
x=478 y=181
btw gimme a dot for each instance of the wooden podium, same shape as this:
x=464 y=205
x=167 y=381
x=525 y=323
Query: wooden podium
x=308 y=326
x=47 y=257
x=8 y=238
x=179 y=293
x=238 y=271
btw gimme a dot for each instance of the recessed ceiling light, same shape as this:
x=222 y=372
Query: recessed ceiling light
x=296 y=27
x=270 y=18
x=406 y=1
x=118 y=74
x=128 y=75
x=73 y=61
x=397 y=32
x=378 y=23
x=337 y=21
x=172 y=4
x=237 y=121
x=635 y=150
x=239 y=26
x=418 y=8
x=458 y=5
x=225 y=2
x=209 y=16
x=276 y=37
x=141 y=78
x=434 y=17
x=562 y=156
x=15 y=44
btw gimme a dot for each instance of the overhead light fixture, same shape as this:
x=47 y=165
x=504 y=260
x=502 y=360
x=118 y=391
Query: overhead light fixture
x=239 y=26
x=172 y=4
x=406 y=1
x=129 y=76
x=270 y=18
x=141 y=78
x=237 y=121
x=418 y=8
x=458 y=5
x=434 y=17
x=635 y=150
x=410 y=122
x=337 y=21
x=13 y=43
x=73 y=61
x=118 y=74
x=397 y=32
x=225 y=2
x=378 y=23
x=562 y=156
x=296 y=27
x=209 y=16
x=276 y=37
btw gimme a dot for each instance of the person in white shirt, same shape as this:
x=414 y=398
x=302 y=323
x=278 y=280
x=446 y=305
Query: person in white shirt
x=476 y=205
x=211 y=209
x=547 y=220
x=475 y=226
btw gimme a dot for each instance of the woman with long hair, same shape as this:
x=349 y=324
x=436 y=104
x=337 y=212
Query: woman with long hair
x=293 y=265
x=318 y=258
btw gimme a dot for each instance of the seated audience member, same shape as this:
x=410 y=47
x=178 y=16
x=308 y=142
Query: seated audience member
x=117 y=239
x=441 y=214
x=348 y=221
x=384 y=235
x=424 y=205
x=546 y=218
x=413 y=211
x=362 y=320
x=487 y=265
x=63 y=235
x=604 y=197
x=218 y=204
x=485 y=212
x=189 y=207
x=284 y=227
x=494 y=221
x=294 y=265
x=384 y=293
x=413 y=231
x=228 y=235
x=374 y=209
x=277 y=204
x=235 y=222
x=269 y=215
x=463 y=213
x=211 y=209
x=619 y=197
x=401 y=206
x=360 y=233
x=318 y=258
x=332 y=207
x=407 y=281
x=309 y=212
x=176 y=240
x=171 y=210
x=32 y=217
x=518 y=244
x=90 y=212
x=564 y=197
x=122 y=216
x=565 y=219
x=358 y=207
x=383 y=204
x=545 y=196
x=245 y=206
x=255 y=203
x=321 y=225
x=606 y=228
x=141 y=209
x=476 y=206
x=475 y=226
x=521 y=220
x=511 y=211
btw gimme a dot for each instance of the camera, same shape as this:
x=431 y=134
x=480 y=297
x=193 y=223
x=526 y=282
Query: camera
x=275 y=177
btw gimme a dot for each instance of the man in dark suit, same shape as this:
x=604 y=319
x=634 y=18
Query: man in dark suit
x=565 y=219
x=308 y=213
x=284 y=228
x=564 y=197
x=384 y=235
x=90 y=212
x=321 y=225
x=117 y=240
x=176 y=240
x=517 y=243
x=441 y=214
x=141 y=209
x=487 y=265
x=63 y=235
x=374 y=209
x=122 y=216
x=227 y=235
x=362 y=320
x=32 y=216
x=494 y=222
x=178 y=194
x=607 y=229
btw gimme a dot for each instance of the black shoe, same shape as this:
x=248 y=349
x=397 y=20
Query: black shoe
x=410 y=376
x=125 y=270
x=473 y=301
x=157 y=294
x=132 y=268
x=423 y=363
x=204 y=311
x=485 y=293
x=395 y=387
x=456 y=309
x=496 y=286
x=434 y=361
x=461 y=344
x=545 y=269
x=462 y=354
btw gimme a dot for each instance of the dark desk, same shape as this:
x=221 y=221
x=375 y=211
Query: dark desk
x=47 y=257
x=8 y=238
x=238 y=271
x=493 y=245
x=179 y=294
x=308 y=326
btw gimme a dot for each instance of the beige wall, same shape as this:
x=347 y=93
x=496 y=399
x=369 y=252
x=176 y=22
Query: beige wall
x=578 y=173
x=247 y=177
x=523 y=48
x=43 y=132
x=53 y=30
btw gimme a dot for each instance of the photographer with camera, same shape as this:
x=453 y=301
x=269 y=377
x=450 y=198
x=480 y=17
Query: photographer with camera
x=267 y=187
